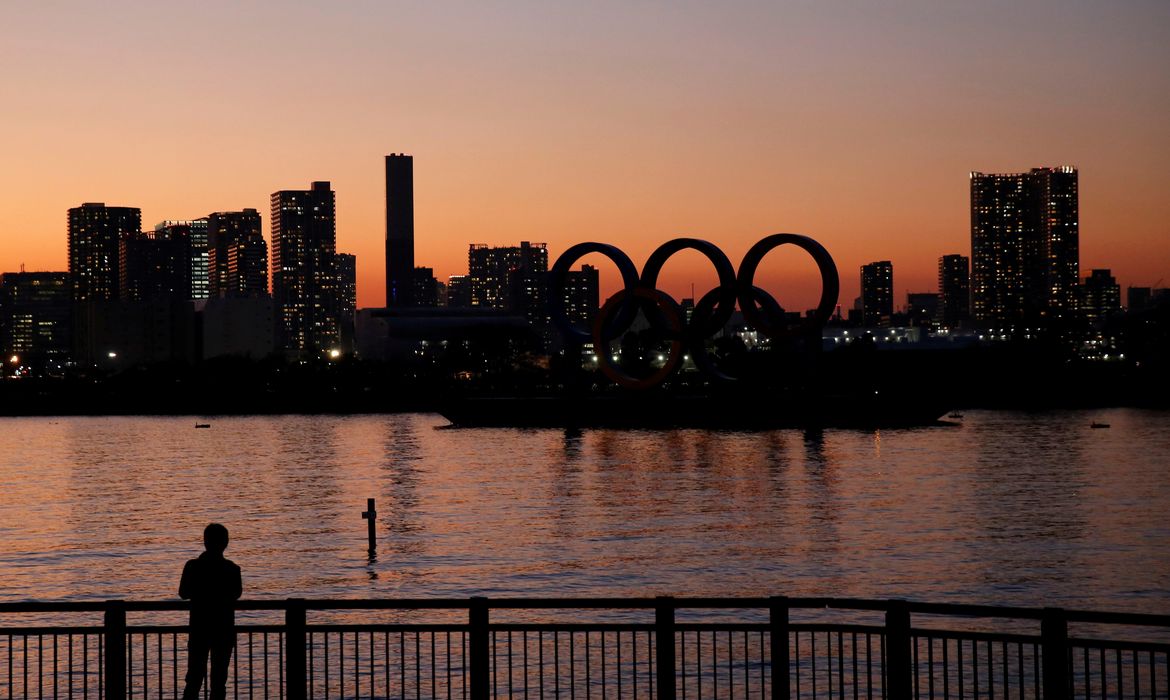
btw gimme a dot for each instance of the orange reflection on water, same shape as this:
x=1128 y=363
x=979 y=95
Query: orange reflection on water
x=1008 y=508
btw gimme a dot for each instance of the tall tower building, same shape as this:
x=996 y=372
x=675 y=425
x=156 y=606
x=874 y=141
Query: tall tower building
x=459 y=291
x=399 y=230
x=155 y=265
x=1025 y=250
x=877 y=293
x=247 y=267
x=954 y=286
x=1100 y=296
x=581 y=295
x=35 y=317
x=94 y=231
x=239 y=229
x=196 y=231
x=346 y=299
x=426 y=288
x=347 y=285
x=497 y=273
x=304 y=269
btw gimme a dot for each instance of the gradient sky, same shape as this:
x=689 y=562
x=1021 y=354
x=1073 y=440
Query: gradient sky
x=631 y=123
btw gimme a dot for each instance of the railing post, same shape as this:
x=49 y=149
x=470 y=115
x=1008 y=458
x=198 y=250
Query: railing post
x=899 y=671
x=664 y=646
x=295 y=643
x=114 y=632
x=478 y=648
x=1054 y=654
x=778 y=629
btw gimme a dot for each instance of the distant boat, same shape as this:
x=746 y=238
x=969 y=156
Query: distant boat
x=1095 y=424
x=955 y=415
x=203 y=425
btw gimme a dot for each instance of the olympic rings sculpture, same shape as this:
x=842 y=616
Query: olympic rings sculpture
x=712 y=311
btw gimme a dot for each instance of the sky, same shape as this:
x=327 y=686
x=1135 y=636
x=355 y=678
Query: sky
x=856 y=123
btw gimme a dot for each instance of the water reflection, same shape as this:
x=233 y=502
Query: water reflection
x=822 y=504
x=1010 y=508
x=401 y=477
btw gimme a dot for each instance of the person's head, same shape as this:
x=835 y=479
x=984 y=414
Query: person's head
x=215 y=538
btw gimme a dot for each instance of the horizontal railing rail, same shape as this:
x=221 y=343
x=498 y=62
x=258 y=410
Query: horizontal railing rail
x=478 y=648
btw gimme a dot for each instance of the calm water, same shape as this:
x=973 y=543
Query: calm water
x=1007 y=508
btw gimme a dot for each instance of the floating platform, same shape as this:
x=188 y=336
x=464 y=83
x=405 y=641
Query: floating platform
x=663 y=411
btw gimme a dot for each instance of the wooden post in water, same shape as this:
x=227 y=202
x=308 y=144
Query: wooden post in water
x=371 y=515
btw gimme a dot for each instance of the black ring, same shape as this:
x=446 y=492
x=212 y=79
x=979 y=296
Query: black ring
x=672 y=314
x=725 y=306
x=830 y=285
x=556 y=285
x=711 y=313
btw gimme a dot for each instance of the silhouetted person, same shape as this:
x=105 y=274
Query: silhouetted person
x=212 y=584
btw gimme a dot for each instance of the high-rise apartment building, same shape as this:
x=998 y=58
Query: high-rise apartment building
x=94 y=231
x=155 y=265
x=582 y=296
x=304 y=269
x=426 y=287
x=877 y=293
x=237 y=263
x=1025 y=251
x=35 y=317
x=346 y=299
x=496 y=273
x=400 y=276
x=247 y=267
x=347 y=285
x=459 y=291
x=196 y=231
x=954 y=288
x=1100 y=296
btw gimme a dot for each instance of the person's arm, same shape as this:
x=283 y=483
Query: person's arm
x=185 y=583
x=238 y=588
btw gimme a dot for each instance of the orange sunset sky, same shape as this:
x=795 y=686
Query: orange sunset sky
x=626 y=122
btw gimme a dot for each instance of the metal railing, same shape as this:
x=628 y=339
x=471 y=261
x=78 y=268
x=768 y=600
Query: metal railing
x=771 y=648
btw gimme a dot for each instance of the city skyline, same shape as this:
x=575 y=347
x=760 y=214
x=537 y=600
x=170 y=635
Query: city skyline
x=626 y=125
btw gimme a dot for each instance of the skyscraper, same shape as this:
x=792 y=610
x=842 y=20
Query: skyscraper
x=197 y=233
x=582 y=297
x=346 y=299
x=1025 y=254
x=94 y=230
x=399 y=230
x=236 y=235
x=35 y=317
x=155 y=265
x=954 y=286
x=459 y=291
x=496 y=273
x=304 y=269
x=426 y=287
x=877 y=293
x=1100 y=296
x=347 y=285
